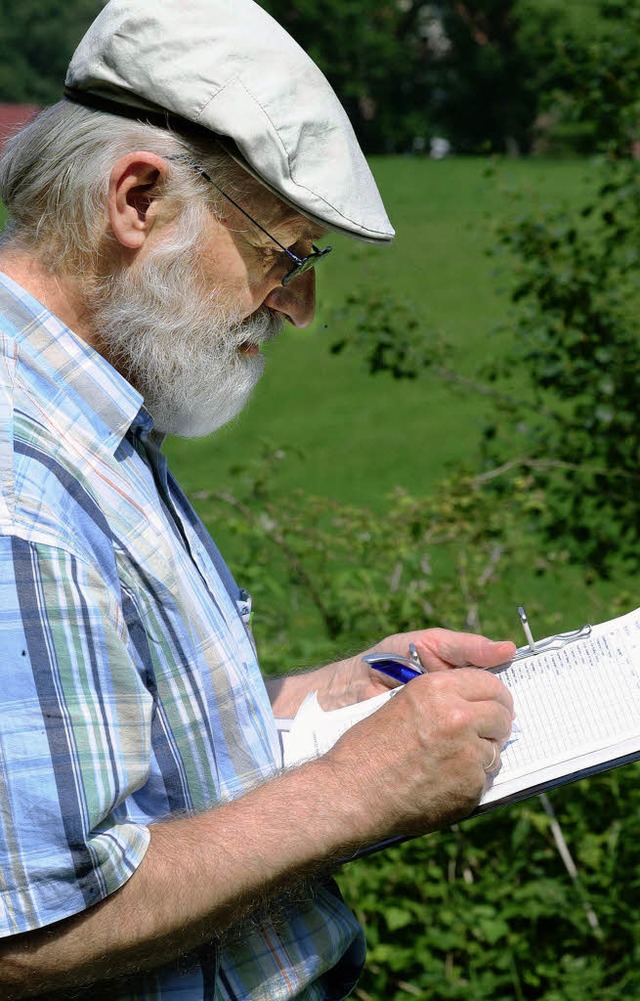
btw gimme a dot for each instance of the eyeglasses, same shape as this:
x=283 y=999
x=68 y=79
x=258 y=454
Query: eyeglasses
x=300 y=264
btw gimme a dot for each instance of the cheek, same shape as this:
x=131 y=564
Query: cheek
x=243 y=275
x=227 y=277
x=261 y=286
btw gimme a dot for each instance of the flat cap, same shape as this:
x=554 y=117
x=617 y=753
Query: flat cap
x=228 y=67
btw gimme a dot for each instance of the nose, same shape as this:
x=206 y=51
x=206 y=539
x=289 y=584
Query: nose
x=297 y=300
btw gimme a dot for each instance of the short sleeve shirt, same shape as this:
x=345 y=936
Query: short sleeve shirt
x=130 y=688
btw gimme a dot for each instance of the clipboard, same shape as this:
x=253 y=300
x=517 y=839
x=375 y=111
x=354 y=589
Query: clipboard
x=588 y=661
x=554 y=642
x=577 y=702
x=578 y=694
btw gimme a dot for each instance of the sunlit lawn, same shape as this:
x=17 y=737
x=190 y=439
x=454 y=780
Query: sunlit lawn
x=355 y=437
x=360 y=435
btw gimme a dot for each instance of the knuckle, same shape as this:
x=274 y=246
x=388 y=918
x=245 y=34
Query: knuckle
x=441 y=682
x=459 y=718
x=495 y=687
x=507 y=720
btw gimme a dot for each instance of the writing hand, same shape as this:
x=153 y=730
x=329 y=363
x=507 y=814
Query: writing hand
x=420 y=762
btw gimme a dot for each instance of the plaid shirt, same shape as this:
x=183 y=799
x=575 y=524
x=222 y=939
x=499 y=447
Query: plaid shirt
x=130 y=689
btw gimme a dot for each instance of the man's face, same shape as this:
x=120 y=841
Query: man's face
x=184 y=321
x=248 y=259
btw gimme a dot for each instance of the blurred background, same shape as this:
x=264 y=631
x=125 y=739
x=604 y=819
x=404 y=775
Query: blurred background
x=456 y=434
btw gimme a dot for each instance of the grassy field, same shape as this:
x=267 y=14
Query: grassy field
x=361 y=436
x=354 y=437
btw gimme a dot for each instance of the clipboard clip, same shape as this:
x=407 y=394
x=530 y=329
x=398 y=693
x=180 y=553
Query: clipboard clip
x=554 y=642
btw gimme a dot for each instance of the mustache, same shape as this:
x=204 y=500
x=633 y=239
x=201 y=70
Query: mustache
x=260 y=327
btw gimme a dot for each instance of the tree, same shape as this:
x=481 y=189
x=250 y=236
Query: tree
x=37 y=40
x=597 y=78
x=497 y=72
x=476 y=72
x=577 y=293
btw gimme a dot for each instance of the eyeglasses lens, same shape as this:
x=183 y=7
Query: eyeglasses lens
x=306 y=263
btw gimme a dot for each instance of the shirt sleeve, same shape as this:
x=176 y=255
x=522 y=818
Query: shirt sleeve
x=75 y=718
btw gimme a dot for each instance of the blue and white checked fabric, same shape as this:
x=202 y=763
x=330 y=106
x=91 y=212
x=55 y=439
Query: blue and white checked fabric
x=130 y=688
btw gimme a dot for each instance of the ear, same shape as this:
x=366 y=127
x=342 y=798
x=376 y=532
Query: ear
x=133 y=203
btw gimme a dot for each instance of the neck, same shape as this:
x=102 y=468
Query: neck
x=60 y=294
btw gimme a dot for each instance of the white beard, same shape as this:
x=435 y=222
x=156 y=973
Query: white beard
x=166 y=332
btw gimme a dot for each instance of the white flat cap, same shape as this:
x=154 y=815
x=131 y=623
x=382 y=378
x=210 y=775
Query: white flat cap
x=228 y=67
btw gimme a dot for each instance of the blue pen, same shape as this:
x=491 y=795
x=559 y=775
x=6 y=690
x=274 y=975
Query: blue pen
x=402 y=669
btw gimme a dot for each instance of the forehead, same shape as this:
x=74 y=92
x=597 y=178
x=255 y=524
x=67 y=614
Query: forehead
x=302 y=227
x=272 y=212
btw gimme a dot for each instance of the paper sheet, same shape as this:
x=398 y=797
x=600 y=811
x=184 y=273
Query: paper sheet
x=577 y=708
x=313 y=731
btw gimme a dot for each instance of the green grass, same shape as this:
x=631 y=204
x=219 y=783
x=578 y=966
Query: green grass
x=355 y=437
x=360 y=435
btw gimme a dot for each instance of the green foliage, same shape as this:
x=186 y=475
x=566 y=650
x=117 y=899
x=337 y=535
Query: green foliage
x=329 y=577
x=37 y=39
x=487 y=912
x=597 y=78
x=388 y=333
x=477 y=72
x=498 y=70
x=577 y=292
x=529 y=73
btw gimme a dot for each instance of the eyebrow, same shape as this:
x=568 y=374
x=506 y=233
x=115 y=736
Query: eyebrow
x=316 y=232
x=309 y=230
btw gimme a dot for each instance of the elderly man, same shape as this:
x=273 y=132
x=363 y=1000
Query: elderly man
x=163 y=226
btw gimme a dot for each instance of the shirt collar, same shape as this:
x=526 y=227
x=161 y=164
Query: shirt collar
x=72 y=366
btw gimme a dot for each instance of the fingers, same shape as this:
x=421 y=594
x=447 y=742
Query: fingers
x=439 y=737
x=460 y=708
x=473 y=686
x=494 y=762
x=440 y=649
x=443 y=648
x=476 y=711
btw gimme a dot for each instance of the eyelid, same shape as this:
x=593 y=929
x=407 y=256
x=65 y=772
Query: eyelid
x=301 y=248
x=279 y=263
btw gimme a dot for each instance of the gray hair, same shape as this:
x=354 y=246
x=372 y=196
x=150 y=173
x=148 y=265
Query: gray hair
x=54 y=178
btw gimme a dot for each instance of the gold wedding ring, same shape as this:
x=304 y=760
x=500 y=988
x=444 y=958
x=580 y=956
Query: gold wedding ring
x=494 y=757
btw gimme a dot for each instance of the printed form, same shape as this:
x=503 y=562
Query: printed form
x=577 y=709
x=577 y=712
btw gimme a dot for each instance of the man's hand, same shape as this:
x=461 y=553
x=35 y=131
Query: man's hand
x=415 y=765
x=421 y=761
x=352 y=680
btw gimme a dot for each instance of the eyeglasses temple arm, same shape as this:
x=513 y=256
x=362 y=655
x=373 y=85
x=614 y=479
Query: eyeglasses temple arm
x=224 y=194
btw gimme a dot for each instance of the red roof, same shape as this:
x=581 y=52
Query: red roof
x=13 y=117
